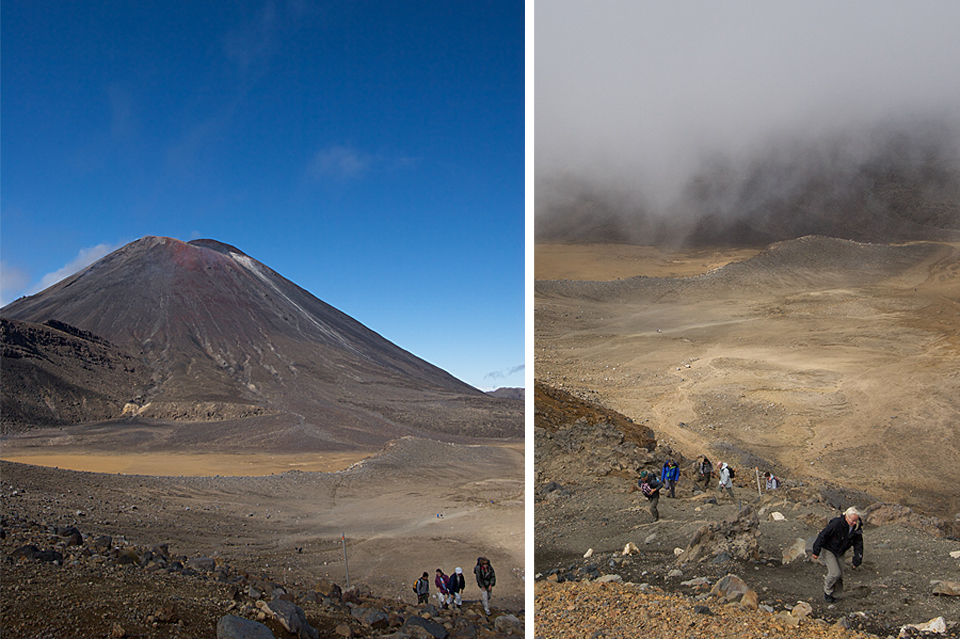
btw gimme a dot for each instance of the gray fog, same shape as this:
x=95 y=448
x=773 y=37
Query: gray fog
x=780 y=118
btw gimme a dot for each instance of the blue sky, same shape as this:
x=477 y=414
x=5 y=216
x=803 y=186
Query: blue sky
x=371 y=152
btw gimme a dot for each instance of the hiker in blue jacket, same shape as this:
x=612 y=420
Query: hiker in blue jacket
x=670 y=475
x=836 y=538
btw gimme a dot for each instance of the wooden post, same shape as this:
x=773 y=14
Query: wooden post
x=759 y=492
x=343 y=540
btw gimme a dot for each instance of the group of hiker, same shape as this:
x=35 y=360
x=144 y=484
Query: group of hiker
x=836 y=538
x=450 y=587
x=650 y=485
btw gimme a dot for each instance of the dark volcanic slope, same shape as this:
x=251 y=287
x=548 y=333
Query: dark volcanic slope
x=55 y=374
x=807 y=262
x=224 y=336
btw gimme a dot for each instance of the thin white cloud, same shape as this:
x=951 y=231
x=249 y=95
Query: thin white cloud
x=84 y=258
x=12 y=281
x=340 y=162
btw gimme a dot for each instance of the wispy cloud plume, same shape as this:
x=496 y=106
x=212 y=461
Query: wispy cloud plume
x=84 y=258
x=502 y=374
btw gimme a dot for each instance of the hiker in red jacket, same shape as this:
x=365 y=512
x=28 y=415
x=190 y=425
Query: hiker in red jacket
x=443 y=592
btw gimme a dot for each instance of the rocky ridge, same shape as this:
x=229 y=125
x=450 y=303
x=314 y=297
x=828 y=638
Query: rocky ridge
x=70 y=581
x=605 y=568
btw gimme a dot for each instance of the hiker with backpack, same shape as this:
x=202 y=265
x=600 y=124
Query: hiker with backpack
x=486 y=579
x=456 y=586
x=650 y=487
x=670 y=475
x=726 y=482
x=772 y=482
x=443 y=594
x=705 y=472
x=422 y=588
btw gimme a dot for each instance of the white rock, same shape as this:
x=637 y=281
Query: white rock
x=938 y=625
x=677 y=551
x=631 y=549
x=588 y=554
x=698 y=581
x=776 y=516
x=955 y=554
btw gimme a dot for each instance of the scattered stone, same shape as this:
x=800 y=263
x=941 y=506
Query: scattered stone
x=699 y=581
x=631 y=549
x=291 y=617
x=938 y=625
x=730 y=588
x=813 y=520
x=950 y=588
x=775 y=516
x=372 y=617
x=738 y=538
x=508 y=622
x=588 y=554
x=434 y=629
x=788 y=619
x=233 y=627
x=795 y=551
x=750 y=600
x=609 y=578
x=202 y=564
x=802 y=610
x=843 y=623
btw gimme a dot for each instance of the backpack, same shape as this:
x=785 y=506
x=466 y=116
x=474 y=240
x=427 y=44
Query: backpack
x=646 y=489
x=733 y=473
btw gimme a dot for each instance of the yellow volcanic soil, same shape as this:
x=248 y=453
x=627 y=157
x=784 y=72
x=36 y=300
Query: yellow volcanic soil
x=190 y=465
x=603 y=262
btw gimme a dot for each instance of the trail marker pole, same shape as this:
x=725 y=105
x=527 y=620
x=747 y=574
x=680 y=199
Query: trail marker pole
x=343 y=540
x=759 y=492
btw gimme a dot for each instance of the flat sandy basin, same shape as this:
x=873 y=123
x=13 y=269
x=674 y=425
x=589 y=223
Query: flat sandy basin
x=190 y=464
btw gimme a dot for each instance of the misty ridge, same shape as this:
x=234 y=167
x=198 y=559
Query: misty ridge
x=886 y=183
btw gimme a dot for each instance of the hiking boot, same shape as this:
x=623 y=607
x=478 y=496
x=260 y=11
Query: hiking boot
x=829 y=598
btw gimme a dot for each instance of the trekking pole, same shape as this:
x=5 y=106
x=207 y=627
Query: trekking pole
x=343 y=540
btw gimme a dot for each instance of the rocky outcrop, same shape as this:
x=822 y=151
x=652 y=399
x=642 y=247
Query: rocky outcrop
x=555 y=409
x=257 y=606
x=738 y=538
x=880 y=514
x=53 y=374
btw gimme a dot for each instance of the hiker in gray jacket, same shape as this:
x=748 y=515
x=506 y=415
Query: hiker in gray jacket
x=422 y=588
